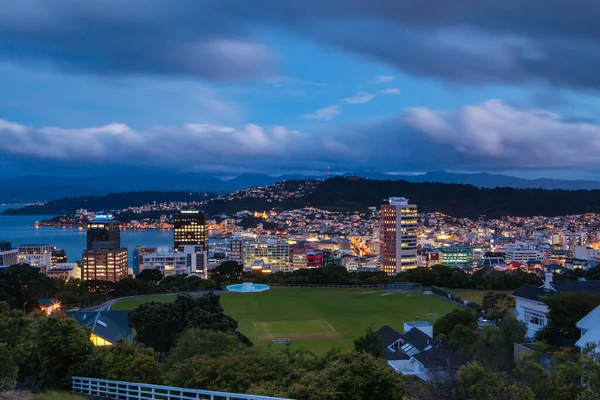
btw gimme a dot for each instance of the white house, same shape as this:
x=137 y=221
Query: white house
x=530 y=307
x=590 y=330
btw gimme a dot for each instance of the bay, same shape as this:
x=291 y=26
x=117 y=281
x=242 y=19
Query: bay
x=20 y=230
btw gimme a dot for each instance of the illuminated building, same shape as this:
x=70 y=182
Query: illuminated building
x=65 y=271
x=522 y=252
x=106 y=327
x=104 y=259
x=189 y=228
x=456 y=256
x=36 y=255
x=58 y=257
x=274 y=253
x=187 y=260
x=398 y=236
x=236 y=249
x=103 y=229
x=104 y=264
x=314 y=259
x=8 y=257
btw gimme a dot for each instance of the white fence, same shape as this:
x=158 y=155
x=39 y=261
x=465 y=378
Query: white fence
x=130 y=391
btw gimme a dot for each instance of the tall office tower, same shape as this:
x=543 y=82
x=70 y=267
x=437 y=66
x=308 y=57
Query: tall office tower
x=190 y=229
x=398 y=237
x=103 y=229
x=104 y=259
x=104 y=264
x=236 y=248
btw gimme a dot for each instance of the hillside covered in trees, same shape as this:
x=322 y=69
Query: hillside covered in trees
x=357 y=194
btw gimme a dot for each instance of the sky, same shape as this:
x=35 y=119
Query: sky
x=285 y=86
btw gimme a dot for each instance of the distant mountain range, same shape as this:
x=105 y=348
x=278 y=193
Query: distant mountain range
x=46 y=188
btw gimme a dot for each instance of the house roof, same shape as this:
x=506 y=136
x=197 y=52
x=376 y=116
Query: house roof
x=418 y=339
x=389 y=355
x=109 y=325
x=590 y=324
x=388 y=335
x=533 y=292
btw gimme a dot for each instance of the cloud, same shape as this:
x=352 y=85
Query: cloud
x=360 y=98
x=470 y=42
x=325 y=114
x=491 y=136
x=390 y=91
x=383 y=79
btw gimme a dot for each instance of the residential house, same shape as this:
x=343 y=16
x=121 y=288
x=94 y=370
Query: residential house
x=530 y=306
x=106 y=326
x=590 y=330
x=415 y=352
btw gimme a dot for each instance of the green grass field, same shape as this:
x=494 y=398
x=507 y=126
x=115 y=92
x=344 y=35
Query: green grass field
x=318 y=319
x=477 y=295
x=321 y=319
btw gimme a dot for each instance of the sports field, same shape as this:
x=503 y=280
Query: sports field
x=320 y=319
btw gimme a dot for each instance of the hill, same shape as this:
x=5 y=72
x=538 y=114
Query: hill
x=353 y=193
x=357 y=194
x=111 y=201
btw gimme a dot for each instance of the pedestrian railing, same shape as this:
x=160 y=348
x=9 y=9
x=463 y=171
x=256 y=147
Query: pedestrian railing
x=129 y=391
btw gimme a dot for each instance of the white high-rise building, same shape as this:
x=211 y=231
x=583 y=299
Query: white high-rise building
x=398 y=235
x=522 y=252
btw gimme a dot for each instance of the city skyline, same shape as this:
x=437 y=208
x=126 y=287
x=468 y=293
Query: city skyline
x=277 y=86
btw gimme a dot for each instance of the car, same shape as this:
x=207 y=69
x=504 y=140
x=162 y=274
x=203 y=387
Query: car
x=73 y=309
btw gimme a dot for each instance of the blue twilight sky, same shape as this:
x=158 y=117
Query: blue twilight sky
x=278 y=86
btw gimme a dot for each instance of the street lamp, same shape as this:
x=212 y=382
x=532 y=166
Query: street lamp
x=24 y=314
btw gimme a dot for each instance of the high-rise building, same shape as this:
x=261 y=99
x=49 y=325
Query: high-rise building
x=274 y=254
x=104 y=264
x=103 y=229
x=398 y=236
x=190 y=229
x=104 y=259
x=8 y=257
x=236 y=248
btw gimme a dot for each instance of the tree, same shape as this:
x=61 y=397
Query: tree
x=131 y=362
x=565 y=310
x=234 y=372
x=369 y=343
x=150 y=275
x=354 y=376
x=20 y=284
x=229 y=269
x=159 y=324
x=477 y=383
x=459 y=316
x=17 y=334
x=497 y=304
x=60 y=345
x=197 y=342
x=494 y=344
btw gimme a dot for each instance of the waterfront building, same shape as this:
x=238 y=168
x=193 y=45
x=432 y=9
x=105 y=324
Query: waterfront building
x=36 y=255
x=189 y=228
x=186 y=260
x=273 y=252
x=8 y=257
x=398 y=235
x=103 y=229
x=456 y=256
x=138 y=253
x=104 y=259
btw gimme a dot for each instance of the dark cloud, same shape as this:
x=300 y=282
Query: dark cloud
x=487 y=136
x=466 y=41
